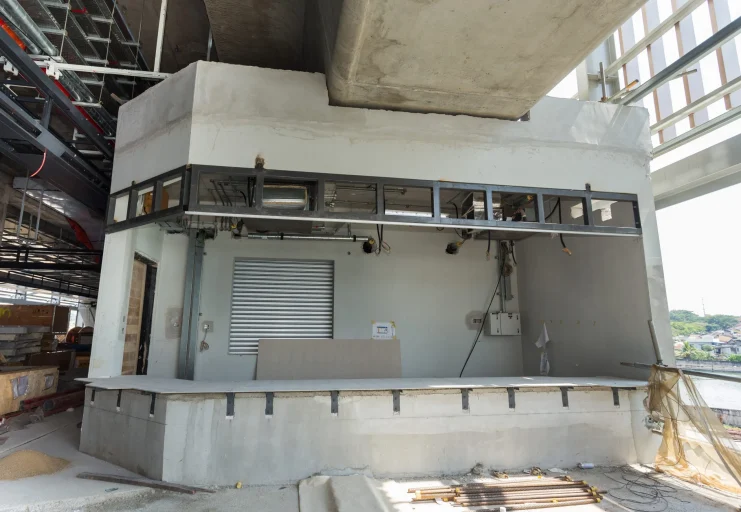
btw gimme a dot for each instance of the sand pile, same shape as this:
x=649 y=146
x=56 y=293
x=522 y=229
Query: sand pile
x=27 y=463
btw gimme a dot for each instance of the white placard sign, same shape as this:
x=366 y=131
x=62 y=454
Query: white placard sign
x=384 y=331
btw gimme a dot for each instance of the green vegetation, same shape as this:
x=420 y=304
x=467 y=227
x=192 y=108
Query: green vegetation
x=736 y=358
x=694 y=354
x=686 y=323
x=687 y=328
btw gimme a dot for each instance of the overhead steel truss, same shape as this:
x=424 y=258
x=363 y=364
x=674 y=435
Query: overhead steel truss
x=192 y=202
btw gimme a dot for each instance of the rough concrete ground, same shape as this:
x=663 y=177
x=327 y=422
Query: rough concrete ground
x=59 y=436
x=672 y=495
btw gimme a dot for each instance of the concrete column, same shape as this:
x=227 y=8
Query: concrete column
x=113 y=304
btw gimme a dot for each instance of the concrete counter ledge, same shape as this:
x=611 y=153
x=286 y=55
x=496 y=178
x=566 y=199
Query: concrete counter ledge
x=274 y=432
x=177 y=386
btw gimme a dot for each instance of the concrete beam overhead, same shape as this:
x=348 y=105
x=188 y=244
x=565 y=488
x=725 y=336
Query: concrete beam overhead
x=707 y=171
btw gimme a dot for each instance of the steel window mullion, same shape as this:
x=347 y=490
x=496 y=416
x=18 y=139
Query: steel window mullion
x=539 y=208
x=131 y=208
x=436 y=201
x=587 y=208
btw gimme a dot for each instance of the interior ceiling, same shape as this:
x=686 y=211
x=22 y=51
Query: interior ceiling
x=491 y=58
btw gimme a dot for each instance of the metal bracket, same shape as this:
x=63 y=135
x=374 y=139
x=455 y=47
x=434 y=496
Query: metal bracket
x=565 y=396
x=92 y=397
x=616 y=397
x=511 y=395
x=269 y=396
x=151 y=405
x=397 y=400
x=464 y=398
x=335 y=402
x=118 y=400
x=230 y=405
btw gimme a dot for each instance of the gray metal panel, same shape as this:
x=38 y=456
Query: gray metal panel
x=280 y=299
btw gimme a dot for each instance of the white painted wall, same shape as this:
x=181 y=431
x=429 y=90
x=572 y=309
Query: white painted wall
x=168 y=251
x=424 y=290
x=155 y=132
x=168 y=307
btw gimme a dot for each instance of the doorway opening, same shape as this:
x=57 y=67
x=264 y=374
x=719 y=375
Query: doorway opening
x=139 y=316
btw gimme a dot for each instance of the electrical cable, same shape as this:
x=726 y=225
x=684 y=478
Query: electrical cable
x=43 y=161
x=560 y=235
x=483 y=321
x=557 y=205
x=512 y=251
x=643 y=490
x=488 y=246
x=457 y=217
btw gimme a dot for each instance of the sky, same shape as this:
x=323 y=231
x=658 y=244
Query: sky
x=701 y=251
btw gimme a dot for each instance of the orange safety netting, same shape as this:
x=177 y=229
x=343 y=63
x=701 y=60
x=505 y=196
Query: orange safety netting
x=695 y=447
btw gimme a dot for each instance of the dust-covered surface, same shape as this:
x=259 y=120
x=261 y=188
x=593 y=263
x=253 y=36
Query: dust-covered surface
x=258 y=499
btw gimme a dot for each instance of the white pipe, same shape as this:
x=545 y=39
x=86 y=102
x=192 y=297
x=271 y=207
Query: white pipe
x=160 y=36
x=78 y=68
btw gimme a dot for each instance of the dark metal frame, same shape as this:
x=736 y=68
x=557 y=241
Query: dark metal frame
x=159 y=214
x=192 y=175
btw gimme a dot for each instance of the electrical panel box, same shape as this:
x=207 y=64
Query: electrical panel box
x=504 y=324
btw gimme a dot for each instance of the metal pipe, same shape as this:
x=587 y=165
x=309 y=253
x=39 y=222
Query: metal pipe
x=698 y=131
x=721 y=37
x=654 y=35
x=622 y=92
x=657 y=349
x=323 y=238
x=695 y=373
x=697 y=105
x=210 y=45
x=79 y=68
x=160 y=36
x=603 y=81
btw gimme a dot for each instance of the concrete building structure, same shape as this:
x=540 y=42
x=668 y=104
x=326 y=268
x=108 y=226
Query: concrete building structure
x=594 y=303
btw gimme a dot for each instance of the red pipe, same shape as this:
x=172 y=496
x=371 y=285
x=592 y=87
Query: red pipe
x=12 y=34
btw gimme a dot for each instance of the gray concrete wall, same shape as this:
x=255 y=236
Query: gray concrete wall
x=594 y=304
x=427 y=292
x=430 y=435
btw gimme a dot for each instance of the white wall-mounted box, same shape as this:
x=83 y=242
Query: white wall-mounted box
x=504 y=324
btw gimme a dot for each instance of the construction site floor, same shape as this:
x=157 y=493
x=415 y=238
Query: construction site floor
x=58 y=436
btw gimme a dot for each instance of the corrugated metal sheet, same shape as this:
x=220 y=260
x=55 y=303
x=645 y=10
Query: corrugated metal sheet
x=280 y=299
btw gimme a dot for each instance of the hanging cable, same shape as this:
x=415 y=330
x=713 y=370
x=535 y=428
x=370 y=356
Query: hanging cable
x=483 y=321
x=560 y=235
x=382 y=245
x=43 y=161
x=488 y=246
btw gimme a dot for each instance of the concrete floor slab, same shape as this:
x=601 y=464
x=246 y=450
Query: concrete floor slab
x=486 y=58
x=58 y=436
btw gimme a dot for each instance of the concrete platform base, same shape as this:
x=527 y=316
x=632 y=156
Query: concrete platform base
x=268 y=437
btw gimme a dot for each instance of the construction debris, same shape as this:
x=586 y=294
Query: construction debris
x=28 y=463
x=143 y=482
x=513 y=493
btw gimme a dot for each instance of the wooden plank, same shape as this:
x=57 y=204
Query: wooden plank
x=54 y=317
x=143 y=482
x=36 y=386
x=134 y=318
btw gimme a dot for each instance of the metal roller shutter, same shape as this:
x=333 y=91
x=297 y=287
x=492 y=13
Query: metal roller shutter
x=280 y=299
